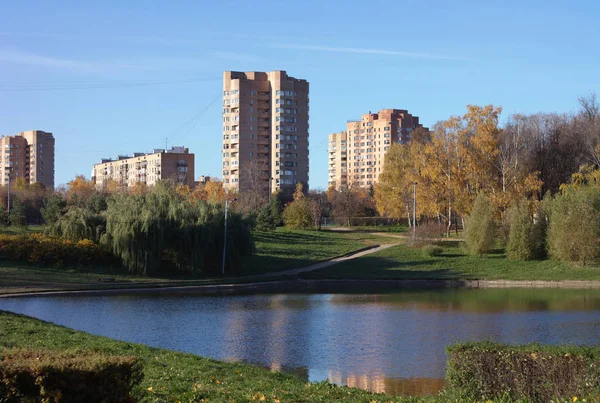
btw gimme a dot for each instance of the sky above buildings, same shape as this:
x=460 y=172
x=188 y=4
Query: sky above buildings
x=117 y=77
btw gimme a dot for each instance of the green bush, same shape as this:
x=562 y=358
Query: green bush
x=432 y=250
x=269 y=216
x=522 y=242
x=47 y=376
x=39 y=248
x=479 y=231
x=17 y=216
x=574 y=229
x=482 y=371
x=297 y=214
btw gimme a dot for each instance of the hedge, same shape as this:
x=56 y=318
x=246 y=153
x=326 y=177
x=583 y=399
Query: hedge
x=40 y=248
x=47 y=376
x=482 y=371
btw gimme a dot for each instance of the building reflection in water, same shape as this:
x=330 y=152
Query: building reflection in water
x=392 y=386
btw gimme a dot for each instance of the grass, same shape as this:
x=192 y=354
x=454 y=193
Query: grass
x=404 y=262
x=275 y=251
x=171 y=376
x=285 y=249
x=30 y=229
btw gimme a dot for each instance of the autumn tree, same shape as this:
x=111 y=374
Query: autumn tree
x=79 y=190
x=318 y=206
x=297 y=214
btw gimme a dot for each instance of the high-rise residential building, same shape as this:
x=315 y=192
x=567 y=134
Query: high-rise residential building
x=28 y=155
x=176 y=164
x=356 y=155
x=265 y=131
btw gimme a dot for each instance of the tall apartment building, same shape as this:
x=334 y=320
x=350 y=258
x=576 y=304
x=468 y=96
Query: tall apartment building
x=28 y=155
x=265 y=131
x=356 y=155
x=176 y=164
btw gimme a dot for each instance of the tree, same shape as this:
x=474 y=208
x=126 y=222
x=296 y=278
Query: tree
x=254 y=187
x=4 y=219
x=394 y=191
x=80 y=189
x=269 y=216
x=54 y=208
x=522 y=242
x=17 y=216
x=347 y=202
x=574 y=229
x=297 y=214
x=479 y=231
x=318 y=206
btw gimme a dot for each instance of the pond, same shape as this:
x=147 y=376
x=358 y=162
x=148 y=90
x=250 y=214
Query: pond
x=391 y=343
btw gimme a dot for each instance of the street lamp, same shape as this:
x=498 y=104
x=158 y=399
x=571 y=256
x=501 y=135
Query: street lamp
x=270 y=185
x=9 y=171
x=225 y=236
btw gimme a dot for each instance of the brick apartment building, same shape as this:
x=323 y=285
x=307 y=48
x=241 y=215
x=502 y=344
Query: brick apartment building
x=28 y=155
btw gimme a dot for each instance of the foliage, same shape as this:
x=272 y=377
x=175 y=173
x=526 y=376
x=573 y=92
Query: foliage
x=297 y=214
x=269 y=216
x=97 y=202
x=54 y=207
x=487 y=370
x=574 y=229
x=39 y=248
x=50 y=376
x=432 y=250
x=162 y=230
x=4 y=219
x=17 y=215
x=318 y=206
x=522 y=242
x=348 y=202
x=479 y=231
x=78 y=223
x=79 y=191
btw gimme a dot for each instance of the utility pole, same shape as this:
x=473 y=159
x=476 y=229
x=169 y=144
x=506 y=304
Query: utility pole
x=225 y=238
x=9 y=169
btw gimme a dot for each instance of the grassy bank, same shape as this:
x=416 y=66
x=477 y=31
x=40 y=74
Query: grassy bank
x=275 y=251
x=403 y=262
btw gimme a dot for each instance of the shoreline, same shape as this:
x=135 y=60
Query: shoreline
x=316 y=286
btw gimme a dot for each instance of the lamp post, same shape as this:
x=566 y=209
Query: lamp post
x=9 y=170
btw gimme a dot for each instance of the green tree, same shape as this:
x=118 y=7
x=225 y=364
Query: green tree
x=522 y=243
x=297 y=214
x=54 y=207
x=4 y=220
x=479 y=231
x=574 y=229
x=269 y=216
x=78 y=223
x=17 y=215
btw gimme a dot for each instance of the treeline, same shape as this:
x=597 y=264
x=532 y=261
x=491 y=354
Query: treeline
x=466 y=155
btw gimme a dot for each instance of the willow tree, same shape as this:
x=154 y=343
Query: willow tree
x=162 y=231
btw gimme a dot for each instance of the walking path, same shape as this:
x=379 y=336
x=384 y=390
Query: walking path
x=324 y=264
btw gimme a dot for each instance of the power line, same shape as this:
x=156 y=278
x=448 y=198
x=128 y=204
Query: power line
x=87 y=85
x=186 y=127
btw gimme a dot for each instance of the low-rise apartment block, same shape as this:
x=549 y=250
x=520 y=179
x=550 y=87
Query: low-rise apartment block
x=176 y=164
x=357 y=155
x=28 y=155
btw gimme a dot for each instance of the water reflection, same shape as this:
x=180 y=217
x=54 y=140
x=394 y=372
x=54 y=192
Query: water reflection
x=391 y=343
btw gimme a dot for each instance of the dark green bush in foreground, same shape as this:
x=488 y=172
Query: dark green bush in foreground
x=45 y=376
x=532 y=372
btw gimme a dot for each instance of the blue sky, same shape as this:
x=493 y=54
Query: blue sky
x=116 y=77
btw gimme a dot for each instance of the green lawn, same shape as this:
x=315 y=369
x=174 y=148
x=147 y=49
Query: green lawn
x=30 y=229
x=403 y=262
x=275 y=251
x=284 y=249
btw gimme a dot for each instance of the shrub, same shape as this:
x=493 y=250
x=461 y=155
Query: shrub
x=297 y=214
x=432 y=250
x=522 y=241
x=574 y=230
x=269 y=216
x=54 y=207
x=479 y=231
x=39 y=248
x=48 y=376
x=482 y=371
x=427 y=233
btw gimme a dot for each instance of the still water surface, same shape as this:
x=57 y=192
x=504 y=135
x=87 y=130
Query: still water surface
x=391 y=343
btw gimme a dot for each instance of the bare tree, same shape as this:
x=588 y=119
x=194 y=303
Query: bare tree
x=318 y=206
x=254 y=186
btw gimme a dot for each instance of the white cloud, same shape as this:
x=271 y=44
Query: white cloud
x=369 y=51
